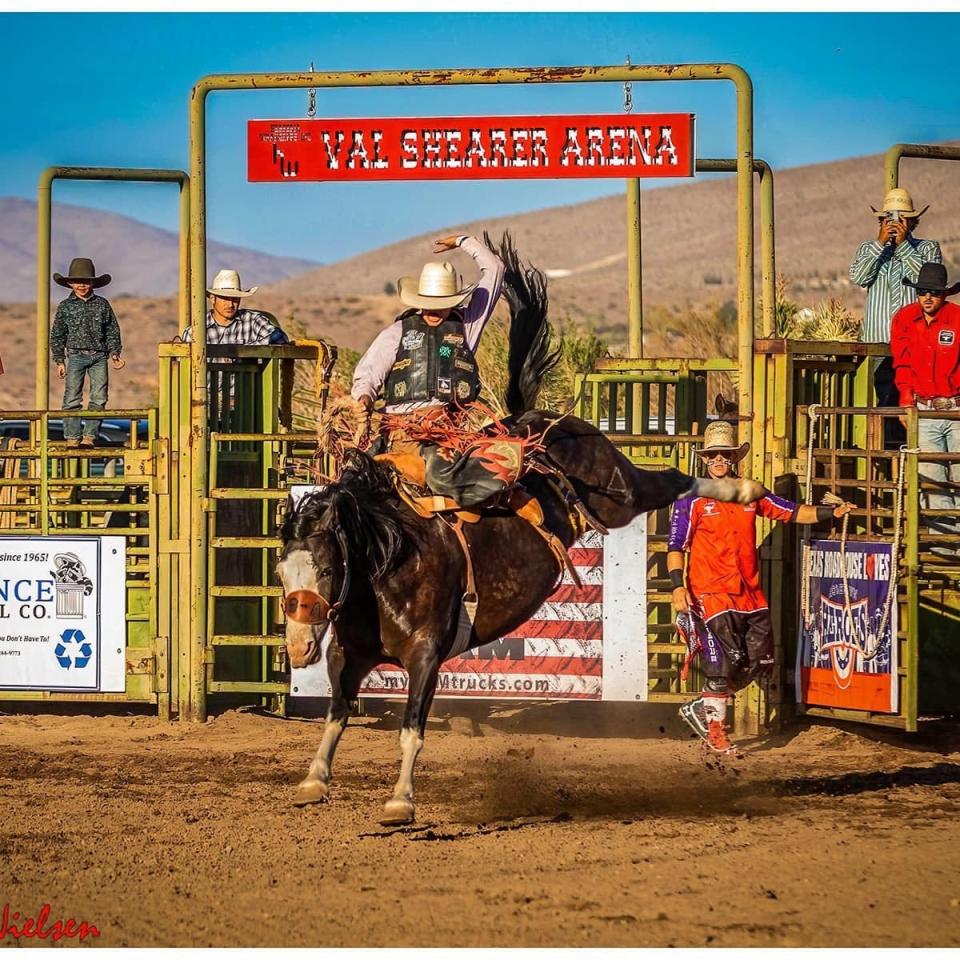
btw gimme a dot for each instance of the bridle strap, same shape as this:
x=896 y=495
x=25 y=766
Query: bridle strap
x=345 y=586
x=305 y=606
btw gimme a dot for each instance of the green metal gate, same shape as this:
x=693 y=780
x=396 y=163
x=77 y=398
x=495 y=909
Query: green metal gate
x=47 y=490
x=253 y=455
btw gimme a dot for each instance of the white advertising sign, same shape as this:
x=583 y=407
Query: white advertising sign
x=63 y=614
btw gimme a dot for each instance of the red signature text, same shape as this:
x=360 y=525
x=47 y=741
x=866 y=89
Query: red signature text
x=17 y=926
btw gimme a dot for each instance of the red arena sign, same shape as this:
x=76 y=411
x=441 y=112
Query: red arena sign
x=472 y=148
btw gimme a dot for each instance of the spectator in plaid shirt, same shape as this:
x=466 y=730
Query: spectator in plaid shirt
x=227 y=323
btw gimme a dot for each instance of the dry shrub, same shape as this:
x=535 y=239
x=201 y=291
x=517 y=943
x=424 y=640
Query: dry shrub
x=827 y=320
x=834 y=321
x=305 y=401
x=580 y=348
x=785 y=310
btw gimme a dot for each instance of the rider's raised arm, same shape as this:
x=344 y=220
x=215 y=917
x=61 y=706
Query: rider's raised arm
x=485 y=297
x=375 y=364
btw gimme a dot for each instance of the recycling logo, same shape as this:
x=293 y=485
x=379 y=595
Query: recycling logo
x=73 y=650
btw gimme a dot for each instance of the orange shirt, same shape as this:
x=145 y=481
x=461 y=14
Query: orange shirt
x=722 y=541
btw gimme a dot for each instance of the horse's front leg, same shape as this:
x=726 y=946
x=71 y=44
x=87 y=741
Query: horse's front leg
x=345 y=682
x=423 y=671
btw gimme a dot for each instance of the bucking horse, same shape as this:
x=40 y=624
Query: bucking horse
x=388 y=585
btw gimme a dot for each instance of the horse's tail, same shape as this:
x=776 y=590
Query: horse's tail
x=530 y=357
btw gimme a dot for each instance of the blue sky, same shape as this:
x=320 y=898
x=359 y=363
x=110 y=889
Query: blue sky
x=112 y=90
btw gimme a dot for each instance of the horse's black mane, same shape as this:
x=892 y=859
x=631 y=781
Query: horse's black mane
x=363 y=506
x=530 y=358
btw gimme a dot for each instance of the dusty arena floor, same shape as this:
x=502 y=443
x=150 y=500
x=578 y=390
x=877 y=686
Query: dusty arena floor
x=161 y=834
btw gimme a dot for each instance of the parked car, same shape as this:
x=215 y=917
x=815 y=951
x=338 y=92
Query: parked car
x=112 y=433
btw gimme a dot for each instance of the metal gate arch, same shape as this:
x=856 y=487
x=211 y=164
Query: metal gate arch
x=202 y=498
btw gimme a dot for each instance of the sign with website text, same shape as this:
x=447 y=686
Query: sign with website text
x=586 y=642
x=63 y=614
x=847 y=655
x=472 y=148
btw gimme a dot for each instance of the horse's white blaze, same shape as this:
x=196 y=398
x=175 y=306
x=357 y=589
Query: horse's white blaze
x=298 y=571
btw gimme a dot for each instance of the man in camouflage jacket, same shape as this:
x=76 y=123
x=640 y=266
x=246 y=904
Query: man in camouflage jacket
x=85 y=332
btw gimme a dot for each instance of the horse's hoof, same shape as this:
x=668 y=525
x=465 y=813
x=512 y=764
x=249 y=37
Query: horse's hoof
x=397 y=812
x=311 y=791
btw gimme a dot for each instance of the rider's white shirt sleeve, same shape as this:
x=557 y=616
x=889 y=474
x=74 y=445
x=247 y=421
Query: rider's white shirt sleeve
x=484 y=298
x=375 y=364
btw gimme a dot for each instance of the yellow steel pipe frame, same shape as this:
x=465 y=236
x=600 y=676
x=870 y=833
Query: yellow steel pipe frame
x=44 y=220
x=768 y=266
x=918 y=151
x=426 y=78
x=768 y=262
x=634 y=270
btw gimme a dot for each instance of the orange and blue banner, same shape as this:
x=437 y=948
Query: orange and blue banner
x=847 y=654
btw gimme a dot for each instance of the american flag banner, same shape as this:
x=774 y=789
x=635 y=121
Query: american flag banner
x=586 y=642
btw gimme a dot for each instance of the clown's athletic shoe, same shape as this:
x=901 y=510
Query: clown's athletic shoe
x=717 y=739
x=695 y=715
x=712 y=732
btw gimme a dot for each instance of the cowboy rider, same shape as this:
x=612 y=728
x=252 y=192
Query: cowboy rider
x=722 y=588
x=425 y=363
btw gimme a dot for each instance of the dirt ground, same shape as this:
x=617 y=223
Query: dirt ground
x=543 y=825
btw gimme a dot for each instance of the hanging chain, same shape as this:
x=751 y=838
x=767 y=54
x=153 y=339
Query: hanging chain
x=312 y=98
x=627 y=92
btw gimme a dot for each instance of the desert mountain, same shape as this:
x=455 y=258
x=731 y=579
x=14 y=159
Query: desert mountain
x=689 y=240
x=689 y=259
x=141 y=258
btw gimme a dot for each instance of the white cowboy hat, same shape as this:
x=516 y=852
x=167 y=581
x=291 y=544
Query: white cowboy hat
x=227 y=284
x=719 y=437
x=438 y=288
x=899 y=201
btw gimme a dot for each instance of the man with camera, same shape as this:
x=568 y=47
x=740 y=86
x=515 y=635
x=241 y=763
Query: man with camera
x=882 y=266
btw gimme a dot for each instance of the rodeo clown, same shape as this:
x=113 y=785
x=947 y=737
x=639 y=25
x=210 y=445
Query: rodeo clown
x=722 y=609
x=424 y=365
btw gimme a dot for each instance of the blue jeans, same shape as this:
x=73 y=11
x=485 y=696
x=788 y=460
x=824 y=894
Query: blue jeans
x=941 y=436
x=78 y=366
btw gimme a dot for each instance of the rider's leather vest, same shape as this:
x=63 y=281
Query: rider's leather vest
x=432 y=363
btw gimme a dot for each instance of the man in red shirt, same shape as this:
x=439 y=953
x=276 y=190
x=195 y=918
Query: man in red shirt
x=722 y=586
x=925 y=343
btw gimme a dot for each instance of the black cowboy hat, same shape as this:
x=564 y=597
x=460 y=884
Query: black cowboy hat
x=82 y=270
x=933 y=276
